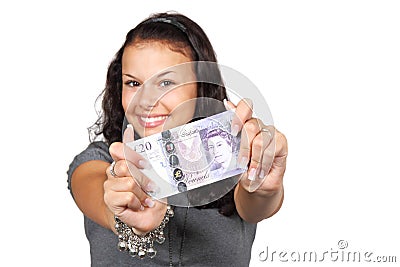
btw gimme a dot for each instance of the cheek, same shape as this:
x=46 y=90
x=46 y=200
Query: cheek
x=127 y=97
x=180 y=95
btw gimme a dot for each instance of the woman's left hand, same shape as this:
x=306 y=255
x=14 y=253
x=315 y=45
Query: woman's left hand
x=263 y=149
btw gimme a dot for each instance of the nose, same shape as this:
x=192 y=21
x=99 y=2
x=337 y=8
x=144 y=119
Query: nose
x=147 y=97
x=212 y=150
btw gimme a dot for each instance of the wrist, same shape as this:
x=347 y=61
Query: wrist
x=109 y=219
x=256 y=206
x=141 y=245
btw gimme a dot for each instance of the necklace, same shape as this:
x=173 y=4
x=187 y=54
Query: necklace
x=182 y=241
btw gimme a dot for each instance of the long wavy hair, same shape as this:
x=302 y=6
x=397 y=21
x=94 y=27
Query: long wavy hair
x=180 y=34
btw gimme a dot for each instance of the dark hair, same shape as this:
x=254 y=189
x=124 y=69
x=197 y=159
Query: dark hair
x=180 y=34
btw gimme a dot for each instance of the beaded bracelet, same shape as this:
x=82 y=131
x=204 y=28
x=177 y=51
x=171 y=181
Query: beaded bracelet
x=137 y=245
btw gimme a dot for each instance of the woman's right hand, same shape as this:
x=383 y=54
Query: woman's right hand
x=124 y=195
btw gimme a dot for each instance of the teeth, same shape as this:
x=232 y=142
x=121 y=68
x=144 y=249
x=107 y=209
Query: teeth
x=153 y=119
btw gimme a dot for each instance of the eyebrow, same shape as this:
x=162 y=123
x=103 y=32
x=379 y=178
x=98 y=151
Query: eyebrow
x=130 y=76
x=165 y=73
x=158 y=76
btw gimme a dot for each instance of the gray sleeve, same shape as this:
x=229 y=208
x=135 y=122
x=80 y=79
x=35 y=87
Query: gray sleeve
x=95 y=151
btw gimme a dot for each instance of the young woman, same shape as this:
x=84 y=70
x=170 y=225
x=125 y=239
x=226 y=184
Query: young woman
x=219 y=233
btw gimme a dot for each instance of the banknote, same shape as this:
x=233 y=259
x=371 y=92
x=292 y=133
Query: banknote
x=191 y=156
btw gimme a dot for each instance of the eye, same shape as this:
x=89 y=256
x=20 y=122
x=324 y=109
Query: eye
x=132 y=83
x=166 y=83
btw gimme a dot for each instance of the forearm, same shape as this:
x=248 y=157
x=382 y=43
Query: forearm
x=256 y=206
x=87 y=188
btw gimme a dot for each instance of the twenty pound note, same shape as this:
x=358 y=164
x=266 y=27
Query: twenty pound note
x=190 y=156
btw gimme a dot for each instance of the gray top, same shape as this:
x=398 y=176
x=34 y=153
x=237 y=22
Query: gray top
x=210 y=239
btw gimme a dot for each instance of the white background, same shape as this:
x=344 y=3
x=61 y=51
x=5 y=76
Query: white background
x=329 y=71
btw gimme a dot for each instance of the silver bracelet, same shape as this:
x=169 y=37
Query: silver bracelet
x=137 y=245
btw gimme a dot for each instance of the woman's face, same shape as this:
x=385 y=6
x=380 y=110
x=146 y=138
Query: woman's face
x=219 y=149
x=151 y=99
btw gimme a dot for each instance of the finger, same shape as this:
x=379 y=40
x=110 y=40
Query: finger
x=129 y=153
x=273 y=165
x=129 y=184
x=144 y=221
x=265 y=150
x=125 y=184
x=117 y=149
x=279 y=163
x=249 y=132
x=124 y=168
x=243 y=112
x=144 y=182
x=121 y=168
x=258 y=146
x=274 y=162
x=121 y=151
x=129 y=134
x=229 y=105
x=118 y=201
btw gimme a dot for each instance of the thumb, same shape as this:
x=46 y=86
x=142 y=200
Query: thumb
x=129 y=153
x=120 y=151
x=129 y=134
x=229 y=105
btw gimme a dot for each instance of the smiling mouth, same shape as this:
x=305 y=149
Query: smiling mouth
x=153 y=121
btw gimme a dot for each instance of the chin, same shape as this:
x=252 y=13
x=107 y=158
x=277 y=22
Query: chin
x=147 y=132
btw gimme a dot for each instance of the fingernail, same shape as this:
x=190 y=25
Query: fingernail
x=235 y=130
x=129 y=135
x=262 y=174
x=252 y=174
x=144 y=164
x=141 y=207
x=149 y=202
x=225 y=104
x=243 y=163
